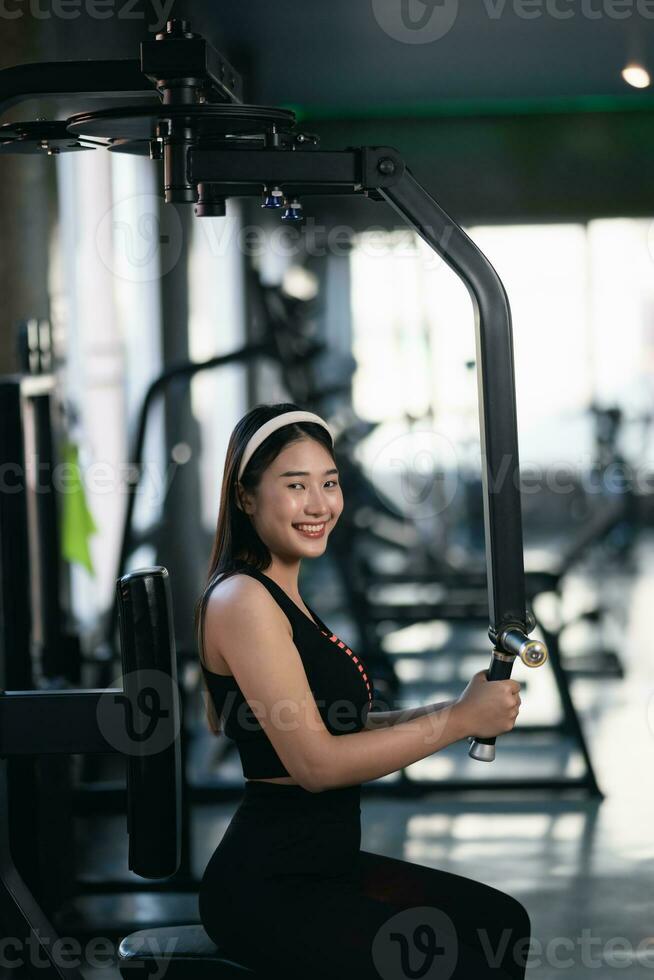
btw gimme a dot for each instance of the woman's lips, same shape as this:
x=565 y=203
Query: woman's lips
x=314 y=534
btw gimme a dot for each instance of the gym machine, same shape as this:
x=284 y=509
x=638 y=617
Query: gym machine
x=60 y=723
x=213 y=146
x=463 y=601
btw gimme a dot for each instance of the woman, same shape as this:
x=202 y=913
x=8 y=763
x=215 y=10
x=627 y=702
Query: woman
x=288 y=891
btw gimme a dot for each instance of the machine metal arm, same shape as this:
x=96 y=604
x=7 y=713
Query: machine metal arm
x=498 y=430
x=496 y=389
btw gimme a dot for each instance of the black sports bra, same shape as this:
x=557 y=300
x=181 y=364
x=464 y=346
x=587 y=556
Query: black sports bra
x=339 y=681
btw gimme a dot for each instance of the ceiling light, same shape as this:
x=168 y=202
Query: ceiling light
x=636 y=75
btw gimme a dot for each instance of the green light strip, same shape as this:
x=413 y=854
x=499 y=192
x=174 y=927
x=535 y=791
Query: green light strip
x=630 y=102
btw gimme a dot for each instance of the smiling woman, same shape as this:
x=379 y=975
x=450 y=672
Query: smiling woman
x=280 y=476
x=296 y=700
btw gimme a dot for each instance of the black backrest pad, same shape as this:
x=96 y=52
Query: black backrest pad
x=152 y=720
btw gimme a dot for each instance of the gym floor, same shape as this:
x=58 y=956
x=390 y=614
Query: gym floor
x=582 y=867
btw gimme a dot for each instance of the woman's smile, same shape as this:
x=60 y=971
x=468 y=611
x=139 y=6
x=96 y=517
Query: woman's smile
x=311 y=530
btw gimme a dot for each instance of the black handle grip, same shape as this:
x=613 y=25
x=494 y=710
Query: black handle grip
x=501 y=665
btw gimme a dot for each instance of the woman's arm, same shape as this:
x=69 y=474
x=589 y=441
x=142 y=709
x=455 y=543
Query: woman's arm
x=254 y=638
x=253 y=635
x=357 y=757
x=382 y=719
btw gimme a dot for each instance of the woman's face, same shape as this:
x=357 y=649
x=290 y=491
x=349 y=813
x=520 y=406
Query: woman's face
x=301 y=486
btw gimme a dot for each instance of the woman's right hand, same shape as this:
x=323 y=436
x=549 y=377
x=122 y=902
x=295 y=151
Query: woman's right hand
x=490 y=707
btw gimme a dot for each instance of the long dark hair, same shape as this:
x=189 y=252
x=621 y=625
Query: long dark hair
x=236 y=540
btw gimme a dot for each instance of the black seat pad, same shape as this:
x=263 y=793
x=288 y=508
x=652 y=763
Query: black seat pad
x=187 y=953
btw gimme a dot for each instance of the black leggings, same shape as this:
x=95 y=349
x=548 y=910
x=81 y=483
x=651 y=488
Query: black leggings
x=289 y=892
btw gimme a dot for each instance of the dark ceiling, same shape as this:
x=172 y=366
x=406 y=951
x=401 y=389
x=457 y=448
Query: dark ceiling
x=340 y=57
x=507 y=109
x=347 y=56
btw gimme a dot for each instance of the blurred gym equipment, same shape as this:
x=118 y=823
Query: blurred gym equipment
x=59 y=723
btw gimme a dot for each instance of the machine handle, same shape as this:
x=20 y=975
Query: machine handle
x=533 y=653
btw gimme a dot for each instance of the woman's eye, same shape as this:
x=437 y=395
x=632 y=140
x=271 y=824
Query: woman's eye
x=292 y=485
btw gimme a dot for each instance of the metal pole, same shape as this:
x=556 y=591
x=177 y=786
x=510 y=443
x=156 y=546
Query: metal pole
x=509 y=624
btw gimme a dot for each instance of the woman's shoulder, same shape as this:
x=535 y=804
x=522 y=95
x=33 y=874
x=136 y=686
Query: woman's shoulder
x=231 y=600
x=240 y=592
x=234 y=582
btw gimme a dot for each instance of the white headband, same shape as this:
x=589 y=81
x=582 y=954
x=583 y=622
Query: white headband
x=272 y=425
